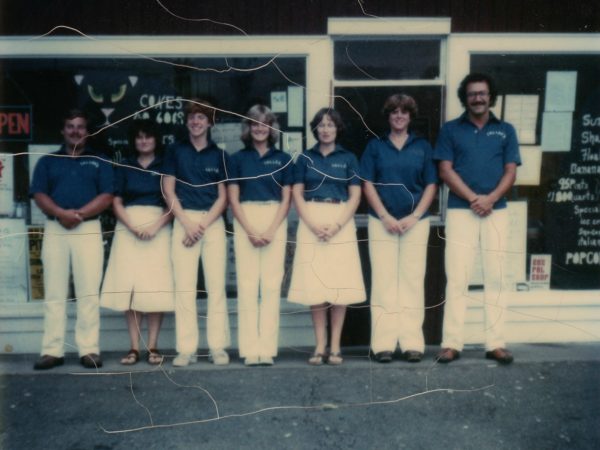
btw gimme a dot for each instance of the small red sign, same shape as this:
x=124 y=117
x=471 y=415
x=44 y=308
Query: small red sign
x=16 y=123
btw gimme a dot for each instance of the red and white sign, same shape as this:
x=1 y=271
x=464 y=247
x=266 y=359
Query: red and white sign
x=539 y=271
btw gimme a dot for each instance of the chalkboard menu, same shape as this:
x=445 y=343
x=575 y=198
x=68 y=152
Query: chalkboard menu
x=563 y=208
x=573 y=204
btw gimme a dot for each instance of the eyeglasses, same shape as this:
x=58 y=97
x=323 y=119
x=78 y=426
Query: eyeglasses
x=478 y=94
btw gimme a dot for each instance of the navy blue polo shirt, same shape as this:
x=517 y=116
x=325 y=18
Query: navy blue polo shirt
x=399 y=176
x=139 y=186
x=478 y=156
x=326 y=176
x=273 y=169
x=73 y=181
x=197 y=173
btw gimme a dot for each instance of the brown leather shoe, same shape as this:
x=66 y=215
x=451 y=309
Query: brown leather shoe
x=447 y=355
x=501 y=355
x=46 y=362
x=91 y=361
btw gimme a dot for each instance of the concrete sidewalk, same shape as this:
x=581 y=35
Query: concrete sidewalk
x=548 y=399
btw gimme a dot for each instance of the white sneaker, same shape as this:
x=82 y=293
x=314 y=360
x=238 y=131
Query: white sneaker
x=219 y=357
x=266 y=361
x=183 y=359
x=251 y=361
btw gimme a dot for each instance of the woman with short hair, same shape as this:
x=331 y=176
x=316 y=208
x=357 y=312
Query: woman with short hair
x=139 y=277
x=327 y=273
x=400 y=182
x=259 y=191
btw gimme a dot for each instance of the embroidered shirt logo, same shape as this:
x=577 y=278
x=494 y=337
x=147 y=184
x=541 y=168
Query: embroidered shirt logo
x=272 y=162
x=89 y=163
x=502 y=134
x=211 y=169
x=339 y=165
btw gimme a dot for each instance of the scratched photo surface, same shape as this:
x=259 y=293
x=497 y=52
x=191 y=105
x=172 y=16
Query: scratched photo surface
x=301 y=223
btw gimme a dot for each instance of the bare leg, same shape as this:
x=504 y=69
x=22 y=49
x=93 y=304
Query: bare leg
x=134 y=323
x=154 y=323
x=319 y=317
x=338 y=314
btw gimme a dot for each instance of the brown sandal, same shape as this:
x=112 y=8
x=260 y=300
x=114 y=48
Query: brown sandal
x=132 y=357
x=154 y=357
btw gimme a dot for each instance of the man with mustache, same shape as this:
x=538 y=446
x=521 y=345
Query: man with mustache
x=478 y=156
x=72 y=187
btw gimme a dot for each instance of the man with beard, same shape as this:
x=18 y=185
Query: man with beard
x=478 y=156
x=72 y=187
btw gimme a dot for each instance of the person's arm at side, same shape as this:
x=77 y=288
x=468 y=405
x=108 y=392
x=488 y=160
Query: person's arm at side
x=68 y=218
x=95 y=206
x=298 y=196
x=282 y=211
x=217 y=208
x=484 y=204
x=407 y=222
x=388 y=221
x=233 y=191
x=192 y=231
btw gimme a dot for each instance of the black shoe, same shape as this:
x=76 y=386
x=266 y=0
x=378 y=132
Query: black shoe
x=383 y=357
x=412 y=356
x=91 y=361
x=48 y=362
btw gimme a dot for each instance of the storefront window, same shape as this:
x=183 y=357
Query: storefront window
x=554 y=102
x=387 y=59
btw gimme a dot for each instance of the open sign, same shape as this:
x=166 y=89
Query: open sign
x=15 y=123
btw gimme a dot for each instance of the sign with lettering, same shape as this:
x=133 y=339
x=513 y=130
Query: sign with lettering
x=16 y=123
x=573 y=206
x=539 y=271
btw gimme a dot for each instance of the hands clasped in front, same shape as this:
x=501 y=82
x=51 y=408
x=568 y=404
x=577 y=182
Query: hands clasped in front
x=325 y=232
x=482 y=205
x=399 y=226
x=194 y=231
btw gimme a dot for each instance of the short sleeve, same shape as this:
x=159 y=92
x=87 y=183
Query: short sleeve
x=367 y=163
x=225 y=166
x=39 y=183
x=106 y=181
x=511 y=150
x=353 y=170
x=444 y=150
x=430 y=173
x=300 y=169
x=233 y=169
x=121 y=179
x=169 y=165
x=288 y=170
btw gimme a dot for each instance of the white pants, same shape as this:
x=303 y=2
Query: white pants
x=259 y=269
x=81 y=249
x=466 y=234
x=397 y=293
x=212 y=248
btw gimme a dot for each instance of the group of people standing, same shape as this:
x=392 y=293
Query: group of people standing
x=170 y=214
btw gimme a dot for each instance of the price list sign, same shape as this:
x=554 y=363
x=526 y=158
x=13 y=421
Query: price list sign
x=573 y=206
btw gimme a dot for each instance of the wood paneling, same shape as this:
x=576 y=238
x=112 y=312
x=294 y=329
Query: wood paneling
x=293 y=17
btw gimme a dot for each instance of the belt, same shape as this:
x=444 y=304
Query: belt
x=324 y=200
x=55 y=219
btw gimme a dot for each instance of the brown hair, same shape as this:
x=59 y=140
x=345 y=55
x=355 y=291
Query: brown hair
x=197 y=105
x=405 y=102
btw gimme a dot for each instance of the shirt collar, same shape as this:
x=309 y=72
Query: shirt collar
x=411 y=138
x=338 y=148
x=464 y=117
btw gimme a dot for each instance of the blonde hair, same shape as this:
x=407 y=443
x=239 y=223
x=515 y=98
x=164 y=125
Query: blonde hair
x=262 y=114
